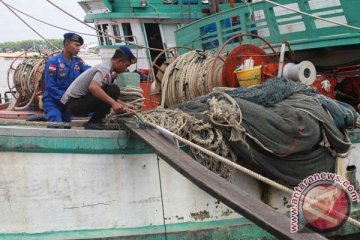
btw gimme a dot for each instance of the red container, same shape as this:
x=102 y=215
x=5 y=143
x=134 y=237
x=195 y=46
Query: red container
x=144 y=71
x=151 y=101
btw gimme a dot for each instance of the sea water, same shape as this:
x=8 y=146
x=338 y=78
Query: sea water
x=5 y=64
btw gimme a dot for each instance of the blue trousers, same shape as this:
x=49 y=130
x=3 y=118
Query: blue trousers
x=55 y=112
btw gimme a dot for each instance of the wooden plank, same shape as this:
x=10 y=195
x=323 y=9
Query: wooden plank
x=235 y=198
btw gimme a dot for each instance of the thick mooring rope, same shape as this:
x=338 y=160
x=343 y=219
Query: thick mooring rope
x=189 y=76
x=26 y=79
x=134 y=96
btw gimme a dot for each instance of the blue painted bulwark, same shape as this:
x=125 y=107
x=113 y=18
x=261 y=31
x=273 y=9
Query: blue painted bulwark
x=233 y=229
x=69 y=141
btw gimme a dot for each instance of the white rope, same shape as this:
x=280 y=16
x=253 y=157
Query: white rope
x=189 y=76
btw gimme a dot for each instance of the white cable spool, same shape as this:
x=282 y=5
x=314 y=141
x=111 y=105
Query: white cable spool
x=304 y=72
x=153 y=88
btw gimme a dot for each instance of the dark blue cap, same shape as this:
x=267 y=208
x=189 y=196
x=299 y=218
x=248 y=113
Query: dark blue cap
x=128 y=53
x=74 y=37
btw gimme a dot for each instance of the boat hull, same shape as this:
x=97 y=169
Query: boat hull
x=76 y=184
x=70 y=184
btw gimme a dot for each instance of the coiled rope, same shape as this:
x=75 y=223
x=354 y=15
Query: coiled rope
x=133 y=95
x=189 y=76
x=26 y=79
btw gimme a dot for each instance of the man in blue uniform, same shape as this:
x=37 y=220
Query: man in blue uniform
x=60 y=71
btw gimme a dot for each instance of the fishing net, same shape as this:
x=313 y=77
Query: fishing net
x=282 y=129
x=285 y=131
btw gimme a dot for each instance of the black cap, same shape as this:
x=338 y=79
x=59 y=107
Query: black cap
x=74 y=37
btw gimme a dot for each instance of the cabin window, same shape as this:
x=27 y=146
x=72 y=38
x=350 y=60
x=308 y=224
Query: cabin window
x=128 y=35
x=116 y=31
x=100 y=35
x=103 y=40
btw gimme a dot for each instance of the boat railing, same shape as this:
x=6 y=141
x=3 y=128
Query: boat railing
x=276 y=23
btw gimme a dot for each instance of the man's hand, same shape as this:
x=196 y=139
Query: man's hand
x=129 y=106
x=121 y=107
x=118 y=107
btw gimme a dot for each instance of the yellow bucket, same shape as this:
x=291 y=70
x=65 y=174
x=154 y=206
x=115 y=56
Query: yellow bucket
x=249 y=77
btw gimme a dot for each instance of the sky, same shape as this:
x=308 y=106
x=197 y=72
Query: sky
x=13 y=29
